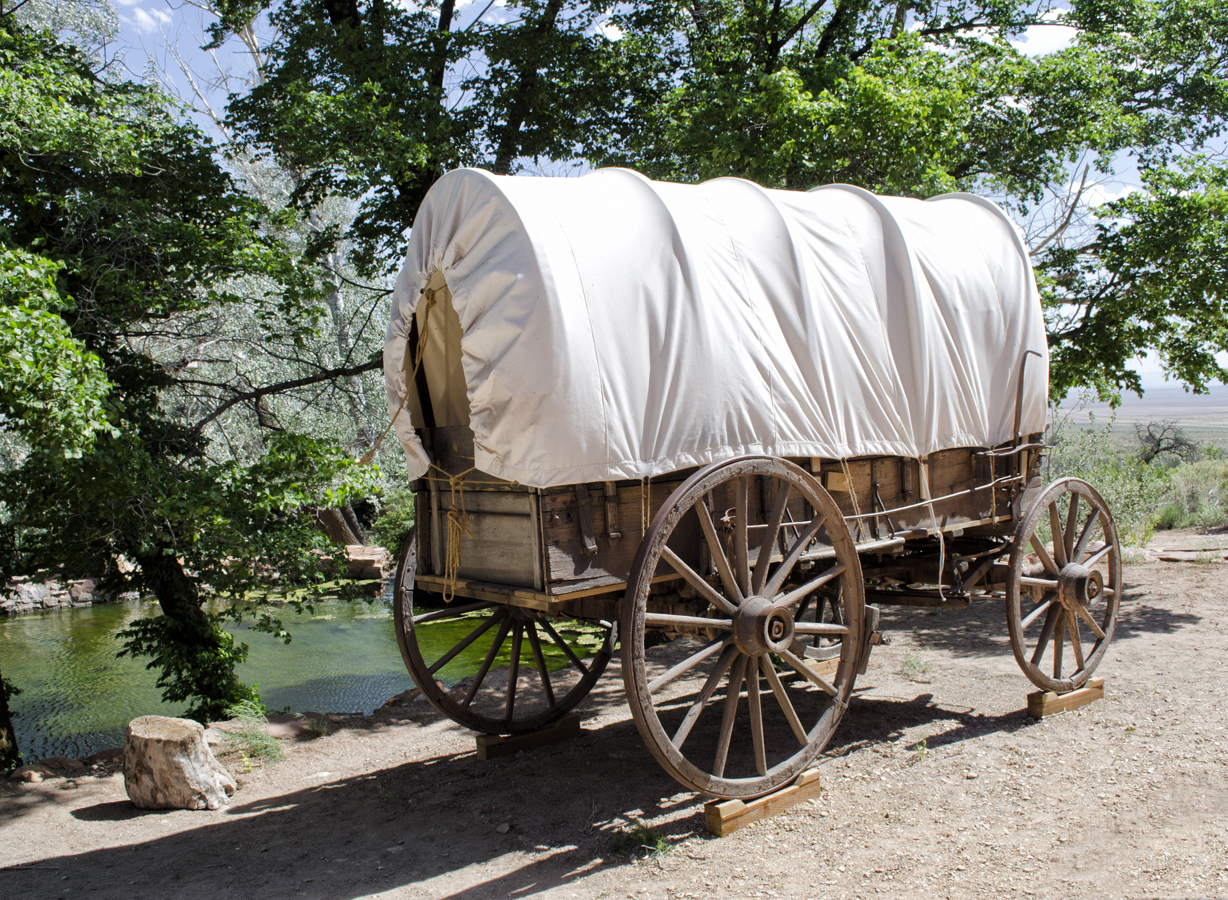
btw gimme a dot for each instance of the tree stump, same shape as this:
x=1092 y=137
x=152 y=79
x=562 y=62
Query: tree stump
x=168 y=765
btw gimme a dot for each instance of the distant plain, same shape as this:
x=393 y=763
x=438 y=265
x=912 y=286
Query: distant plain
x=1202 y=417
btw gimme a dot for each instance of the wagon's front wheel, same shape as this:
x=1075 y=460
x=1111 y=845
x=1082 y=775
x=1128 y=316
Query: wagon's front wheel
x=494 y=668
x=1064 y=585
x=738 y=673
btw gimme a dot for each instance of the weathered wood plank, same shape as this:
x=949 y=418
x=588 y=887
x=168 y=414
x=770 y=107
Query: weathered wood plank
x=722 y=817
x=490 y=746
x=1048 y=703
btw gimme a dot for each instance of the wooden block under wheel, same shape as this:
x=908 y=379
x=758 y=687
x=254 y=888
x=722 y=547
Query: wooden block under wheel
x=1046 y=703
x=491 y=745
x=722 y=817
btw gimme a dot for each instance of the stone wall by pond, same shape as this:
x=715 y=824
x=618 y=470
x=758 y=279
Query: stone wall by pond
x=23 y=595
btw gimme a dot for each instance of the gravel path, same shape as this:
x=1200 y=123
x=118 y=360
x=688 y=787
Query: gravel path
x=937 y=784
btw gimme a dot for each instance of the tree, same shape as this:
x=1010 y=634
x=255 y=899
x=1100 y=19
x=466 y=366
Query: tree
x=10 y=756
x=371 y=101
x=919 y=98
x=1166 y=443
x=131 y=242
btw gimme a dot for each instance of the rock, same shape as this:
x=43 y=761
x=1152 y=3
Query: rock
x=504 y=828
x=31 y=774
x=22 y=595
x=64 y=766
x=105 y=757
x=168 y=765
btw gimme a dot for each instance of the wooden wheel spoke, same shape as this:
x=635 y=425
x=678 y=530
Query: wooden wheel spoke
x=490 y=657
x=819 y=628
x=1072 y=524
x=810 y=586
x=1076 y=639
x=513 y=669
x=804 y=670
x=566 y=648
x=770 y=534
x=1091 y=623
x=1049 y=584
x=799 y=547
x=1046 y=634
x=1046 y=602
x=664 y=620
x=1059 y=641
x=716 y=548
x=468 y=639
x=786 y=705
x=705 y=694
x=1098 y=555
x=1045 y=559
x=693 y=578
x=686 y=665
x=1055 y=527
x=741 y=537
x=450 y=611
x=732 y=696
x=1084 y=538
x=540 y=659
x=755 y=703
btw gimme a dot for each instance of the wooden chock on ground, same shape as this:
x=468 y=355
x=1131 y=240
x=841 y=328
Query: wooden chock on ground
x=722 y=817
x=1046 y=703
x=492 y=745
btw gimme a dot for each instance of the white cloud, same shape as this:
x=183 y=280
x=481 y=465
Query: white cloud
x=147 y=21
x=1040 y=40
x=1097 y=194
x=611 y=31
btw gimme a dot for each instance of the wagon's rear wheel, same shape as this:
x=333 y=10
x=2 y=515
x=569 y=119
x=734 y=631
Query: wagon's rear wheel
x=738 y=675
x=1064 y=585
x=494 y=668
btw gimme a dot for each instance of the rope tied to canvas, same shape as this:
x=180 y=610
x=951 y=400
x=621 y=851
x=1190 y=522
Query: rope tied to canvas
x=429 y=295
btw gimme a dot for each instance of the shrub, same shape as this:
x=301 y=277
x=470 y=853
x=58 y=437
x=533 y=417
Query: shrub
x=396 y=520
x=1198 y=496
x=1133 y=490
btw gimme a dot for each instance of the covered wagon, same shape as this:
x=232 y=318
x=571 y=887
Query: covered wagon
x=718 y=427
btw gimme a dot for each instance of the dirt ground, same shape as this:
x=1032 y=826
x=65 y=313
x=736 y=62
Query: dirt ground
x=937 y=784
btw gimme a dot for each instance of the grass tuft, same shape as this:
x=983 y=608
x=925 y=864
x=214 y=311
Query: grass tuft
x=251 y=739
x=640 y=840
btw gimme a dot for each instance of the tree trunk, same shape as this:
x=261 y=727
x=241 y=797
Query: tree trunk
x=336 y=527
x=175 y=591
x=10 y=756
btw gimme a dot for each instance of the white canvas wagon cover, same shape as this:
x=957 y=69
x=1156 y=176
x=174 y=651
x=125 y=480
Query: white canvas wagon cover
x=612 y=327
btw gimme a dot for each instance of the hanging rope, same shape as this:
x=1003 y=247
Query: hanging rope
x=848 y=479
x=942 y=544
x=429 y=295
x=645 y=503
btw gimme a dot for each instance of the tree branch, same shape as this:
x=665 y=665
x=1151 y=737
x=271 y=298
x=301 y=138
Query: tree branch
x=256 y=394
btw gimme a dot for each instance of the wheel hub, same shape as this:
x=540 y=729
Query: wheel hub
x=761 y=627
x=1078 y=586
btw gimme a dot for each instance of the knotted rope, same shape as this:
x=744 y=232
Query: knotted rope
x=458 y=527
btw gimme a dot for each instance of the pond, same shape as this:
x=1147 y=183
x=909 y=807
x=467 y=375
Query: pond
x=77 y=697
